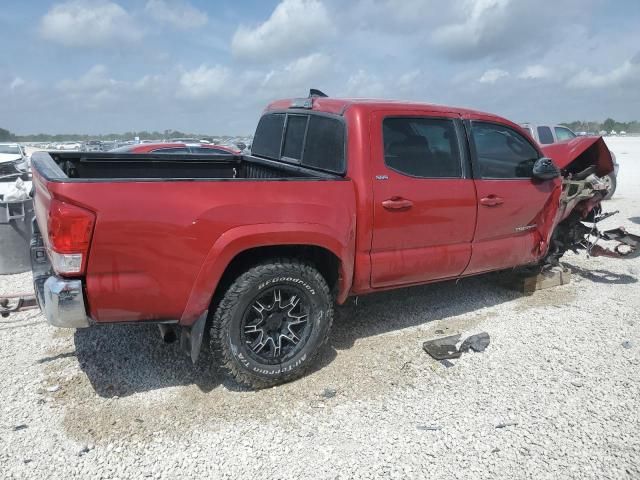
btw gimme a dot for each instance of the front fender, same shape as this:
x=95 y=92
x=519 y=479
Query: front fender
x=242 y=238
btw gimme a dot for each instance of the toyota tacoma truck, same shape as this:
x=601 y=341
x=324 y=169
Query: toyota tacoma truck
x=338 y=198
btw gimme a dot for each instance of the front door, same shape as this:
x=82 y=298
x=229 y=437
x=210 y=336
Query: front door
x=424 y=199
x=511 y=204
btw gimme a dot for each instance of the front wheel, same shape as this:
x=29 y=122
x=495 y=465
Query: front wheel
x=271 y=322
x=611 y=183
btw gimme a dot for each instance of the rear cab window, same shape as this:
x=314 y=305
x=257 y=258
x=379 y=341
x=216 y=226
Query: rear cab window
x=312 y=140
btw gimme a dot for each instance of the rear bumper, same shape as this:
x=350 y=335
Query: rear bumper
x=60 y=299
x=62 y=302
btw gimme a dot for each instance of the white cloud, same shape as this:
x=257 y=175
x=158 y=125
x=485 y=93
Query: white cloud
x=535 y=72
x=178 y=14
x=626 y=74
x=89 y=23
x=16 y=83
x=295 y=78
x=493 y=75
x=204 y=82
x=293 y=28
x=363 y=84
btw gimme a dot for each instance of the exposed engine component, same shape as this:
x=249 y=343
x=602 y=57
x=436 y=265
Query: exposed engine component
x=581 y=195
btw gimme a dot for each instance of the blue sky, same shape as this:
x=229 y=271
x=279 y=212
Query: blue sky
x=98 y=66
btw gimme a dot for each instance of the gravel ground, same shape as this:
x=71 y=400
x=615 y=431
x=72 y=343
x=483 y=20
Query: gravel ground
x=555 y=395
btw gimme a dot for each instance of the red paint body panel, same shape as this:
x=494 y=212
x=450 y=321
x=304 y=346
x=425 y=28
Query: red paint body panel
x=429 y=240
x=159 y=248
x=565 y=153
x=507 y=234
x=153 y=242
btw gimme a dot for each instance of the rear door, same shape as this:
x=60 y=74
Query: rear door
x=424 y=198
x=511 y=204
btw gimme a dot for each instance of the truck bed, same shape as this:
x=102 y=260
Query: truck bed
x=99 y=166
x=166 y=226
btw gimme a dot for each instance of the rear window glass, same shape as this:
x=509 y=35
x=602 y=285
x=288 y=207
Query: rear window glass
x=324 y=148
x=294 y=138
x=545 y=136
x=268 y=137
x=319 y=145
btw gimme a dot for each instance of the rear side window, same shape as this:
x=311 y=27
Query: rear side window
x=422 y=147
x=545 y=136
x=268 y=137
x=312 y=140
x=502 y=152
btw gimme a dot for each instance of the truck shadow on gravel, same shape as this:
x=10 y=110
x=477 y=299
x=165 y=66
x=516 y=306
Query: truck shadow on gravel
x=121 y=360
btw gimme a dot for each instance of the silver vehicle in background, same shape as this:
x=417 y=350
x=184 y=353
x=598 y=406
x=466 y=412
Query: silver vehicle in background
x=548 y=134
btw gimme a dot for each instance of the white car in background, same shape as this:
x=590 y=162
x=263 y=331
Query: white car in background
x=548 y=134
x=14 y=162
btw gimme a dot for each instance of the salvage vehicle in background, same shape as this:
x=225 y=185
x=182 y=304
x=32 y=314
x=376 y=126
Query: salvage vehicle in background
x=548 y=134
x=339 y=197
x=14 y=162
x=177 y=148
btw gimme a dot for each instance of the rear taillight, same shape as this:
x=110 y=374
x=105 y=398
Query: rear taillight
x=69 y=228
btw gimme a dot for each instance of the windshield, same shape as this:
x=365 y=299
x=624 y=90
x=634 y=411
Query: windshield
x=13 y=149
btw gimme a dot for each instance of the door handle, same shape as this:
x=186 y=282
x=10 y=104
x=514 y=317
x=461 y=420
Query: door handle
x=491 y=201
x=397 y=203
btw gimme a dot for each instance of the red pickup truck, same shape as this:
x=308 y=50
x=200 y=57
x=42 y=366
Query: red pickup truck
x=338 y=198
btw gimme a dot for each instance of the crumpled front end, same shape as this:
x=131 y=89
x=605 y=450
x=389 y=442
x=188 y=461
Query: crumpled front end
x=584 y=162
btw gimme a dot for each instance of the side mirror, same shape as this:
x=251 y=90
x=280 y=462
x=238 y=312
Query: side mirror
x=545 y=169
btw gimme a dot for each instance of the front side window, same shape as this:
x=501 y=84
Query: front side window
x=564 y=134
x=502 y=152
x=545 y=136
x=422 y=147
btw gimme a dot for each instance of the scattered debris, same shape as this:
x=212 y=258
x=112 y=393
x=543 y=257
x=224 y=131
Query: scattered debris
x=455 y=345
x=447 y=363
x=439 y=332
x=53 y=388
x=27 y=460
x=329 y=393
x=429 y=428
x=495 y=450
x=506 y=424
x=627 y=344
x=576 y=384
x=20 y=427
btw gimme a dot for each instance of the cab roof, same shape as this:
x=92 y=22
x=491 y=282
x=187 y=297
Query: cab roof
x=340 y=105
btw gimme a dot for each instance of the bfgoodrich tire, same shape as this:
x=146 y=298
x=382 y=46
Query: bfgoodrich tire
x=271 y=323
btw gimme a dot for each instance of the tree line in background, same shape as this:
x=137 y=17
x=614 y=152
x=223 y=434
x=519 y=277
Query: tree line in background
x=608 y=125
x=7 y=136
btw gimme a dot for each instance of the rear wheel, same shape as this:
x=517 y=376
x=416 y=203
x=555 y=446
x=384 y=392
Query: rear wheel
x=271 y=322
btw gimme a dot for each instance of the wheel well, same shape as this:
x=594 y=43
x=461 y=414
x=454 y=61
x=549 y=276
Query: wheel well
x=327 y=263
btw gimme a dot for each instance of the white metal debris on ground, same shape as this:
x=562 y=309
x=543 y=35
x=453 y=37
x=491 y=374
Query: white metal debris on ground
x=555 y=395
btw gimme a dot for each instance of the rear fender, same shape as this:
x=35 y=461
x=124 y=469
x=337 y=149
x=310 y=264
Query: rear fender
x=246 y=237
